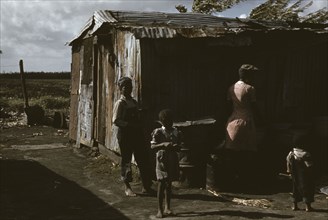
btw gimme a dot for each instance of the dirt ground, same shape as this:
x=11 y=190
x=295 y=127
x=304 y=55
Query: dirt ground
x=44 y=177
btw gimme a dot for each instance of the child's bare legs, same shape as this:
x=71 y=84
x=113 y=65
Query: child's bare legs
x=160 y=197
x=168 y=194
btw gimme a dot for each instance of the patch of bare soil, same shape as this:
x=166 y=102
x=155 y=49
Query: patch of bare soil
x=14 y=131
x=103 y=169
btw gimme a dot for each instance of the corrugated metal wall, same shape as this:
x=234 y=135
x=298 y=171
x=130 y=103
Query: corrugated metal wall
x=86 y=97
x=191 y=76
x=294 y=71
x=296 y=94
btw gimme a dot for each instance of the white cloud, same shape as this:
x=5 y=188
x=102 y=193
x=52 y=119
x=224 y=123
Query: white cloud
x=37 y=31
x=316 y=5
x=243 y=16
x=243 y=8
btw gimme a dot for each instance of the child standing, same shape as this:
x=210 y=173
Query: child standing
x=167 y=142
x=130 y=138
x=300 y=166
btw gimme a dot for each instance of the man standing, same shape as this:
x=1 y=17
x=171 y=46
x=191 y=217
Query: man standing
x=131 y=138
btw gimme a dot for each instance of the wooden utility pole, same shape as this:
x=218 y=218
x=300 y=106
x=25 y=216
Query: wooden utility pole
x=21 y=68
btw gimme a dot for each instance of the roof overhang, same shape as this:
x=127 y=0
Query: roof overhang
x=188 y=25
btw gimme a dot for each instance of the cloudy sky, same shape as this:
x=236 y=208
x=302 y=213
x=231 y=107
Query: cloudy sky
x=37 y=30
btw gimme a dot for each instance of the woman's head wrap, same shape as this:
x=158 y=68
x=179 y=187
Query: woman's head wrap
x=246 y=69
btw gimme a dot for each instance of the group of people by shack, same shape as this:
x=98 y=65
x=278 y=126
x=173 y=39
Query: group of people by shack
x=166 y=141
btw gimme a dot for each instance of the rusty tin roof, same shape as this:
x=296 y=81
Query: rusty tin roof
x=189 y=25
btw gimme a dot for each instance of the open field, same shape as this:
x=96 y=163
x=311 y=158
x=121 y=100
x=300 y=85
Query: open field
x=51 y=94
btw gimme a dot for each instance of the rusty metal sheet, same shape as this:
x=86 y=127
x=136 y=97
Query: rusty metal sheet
x=105 y=94
x=174 y=20
x=86 y=119
x=167 y=25
x=101 y=107
x=127 y=63
x=86 y=97
x=75 y=85
x=75 y=70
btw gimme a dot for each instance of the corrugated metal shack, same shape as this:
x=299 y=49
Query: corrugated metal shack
x=186 y=62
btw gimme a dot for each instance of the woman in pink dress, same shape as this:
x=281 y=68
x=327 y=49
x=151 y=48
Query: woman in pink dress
x=240 y=128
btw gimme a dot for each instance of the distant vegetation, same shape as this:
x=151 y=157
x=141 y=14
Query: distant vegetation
x=37 y=75
x=51 y=91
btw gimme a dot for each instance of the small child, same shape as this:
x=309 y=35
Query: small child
x=300 y=166
x=167 y=142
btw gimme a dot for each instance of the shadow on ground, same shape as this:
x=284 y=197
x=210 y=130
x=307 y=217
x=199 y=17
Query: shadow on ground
x=250 y=215
x=29 y=190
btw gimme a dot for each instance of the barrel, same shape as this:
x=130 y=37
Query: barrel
x=198 y=138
